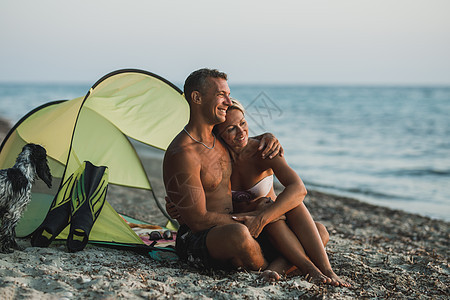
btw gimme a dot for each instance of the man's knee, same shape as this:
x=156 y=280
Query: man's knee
x=241 y=237
x=233 y=237
x=324 y=235
x=248 y=253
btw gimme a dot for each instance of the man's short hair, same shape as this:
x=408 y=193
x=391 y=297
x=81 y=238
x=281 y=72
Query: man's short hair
x=196 y=81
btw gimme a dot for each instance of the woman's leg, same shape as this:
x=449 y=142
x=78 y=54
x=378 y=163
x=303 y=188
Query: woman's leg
x=312 y=237
x=287 y=243
x=284 y=267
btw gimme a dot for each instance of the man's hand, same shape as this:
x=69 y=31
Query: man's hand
x=173 y=211
x=253 y=223
x=254 y=219
x=271 y=146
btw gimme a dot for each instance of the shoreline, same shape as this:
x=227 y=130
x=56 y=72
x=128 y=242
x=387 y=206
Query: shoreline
x=383 y=252
x=5 y=126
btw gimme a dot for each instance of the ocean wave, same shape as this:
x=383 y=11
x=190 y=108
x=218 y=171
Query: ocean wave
x=355 y=191
x=416 y=172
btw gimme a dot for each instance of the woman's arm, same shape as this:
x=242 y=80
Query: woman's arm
x=292 y=195
x=294 y=190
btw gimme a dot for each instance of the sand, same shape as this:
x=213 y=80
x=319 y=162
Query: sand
x=384 y=253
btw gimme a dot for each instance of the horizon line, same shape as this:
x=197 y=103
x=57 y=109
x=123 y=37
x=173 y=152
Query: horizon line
x=252 y=83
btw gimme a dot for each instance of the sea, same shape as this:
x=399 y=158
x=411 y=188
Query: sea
x=385 y=145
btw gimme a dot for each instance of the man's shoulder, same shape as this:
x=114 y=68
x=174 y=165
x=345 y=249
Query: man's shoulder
x=180 y=149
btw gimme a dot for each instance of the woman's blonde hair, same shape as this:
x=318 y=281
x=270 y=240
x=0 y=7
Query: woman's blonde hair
x=236 y=105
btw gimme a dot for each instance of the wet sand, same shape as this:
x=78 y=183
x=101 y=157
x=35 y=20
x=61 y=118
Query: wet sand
x=384 y=253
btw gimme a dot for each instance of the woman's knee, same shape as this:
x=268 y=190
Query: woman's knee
x=324 y=235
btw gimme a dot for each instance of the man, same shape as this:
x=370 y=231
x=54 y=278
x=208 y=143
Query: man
x=197 y=170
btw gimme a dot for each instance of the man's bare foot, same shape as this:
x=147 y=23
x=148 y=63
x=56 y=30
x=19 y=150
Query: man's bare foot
x=336 y=280
x=270 y=276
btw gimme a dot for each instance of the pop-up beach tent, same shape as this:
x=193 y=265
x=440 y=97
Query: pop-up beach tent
x=122 y=106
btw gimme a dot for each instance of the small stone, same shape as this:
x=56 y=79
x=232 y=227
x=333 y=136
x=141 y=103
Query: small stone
x=67 y=295
x=83 y=279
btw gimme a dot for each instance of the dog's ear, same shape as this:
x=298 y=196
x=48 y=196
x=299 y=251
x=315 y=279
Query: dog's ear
x=41 y=150
x=44 y=173
x=38 y=153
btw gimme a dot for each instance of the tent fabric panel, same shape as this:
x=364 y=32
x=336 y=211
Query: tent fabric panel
x=13 y=146
x=56 y=168
x=98 y=141
x=11 y=149
x=52 y=127
x=143 y=107
x=109 y=227
x=34 y=215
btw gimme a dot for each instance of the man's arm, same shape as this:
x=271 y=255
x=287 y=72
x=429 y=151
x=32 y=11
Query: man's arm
x=185 y=190
x=270 y=145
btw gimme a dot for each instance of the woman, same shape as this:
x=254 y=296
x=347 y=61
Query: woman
x=299 y=239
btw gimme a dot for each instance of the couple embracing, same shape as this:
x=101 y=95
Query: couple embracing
x=219 y=183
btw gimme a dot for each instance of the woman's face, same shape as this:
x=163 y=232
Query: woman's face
x=234 y=131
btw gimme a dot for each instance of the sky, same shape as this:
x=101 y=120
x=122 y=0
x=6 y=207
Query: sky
x=352 y=42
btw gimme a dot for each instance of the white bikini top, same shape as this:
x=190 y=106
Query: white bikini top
x=260 y=189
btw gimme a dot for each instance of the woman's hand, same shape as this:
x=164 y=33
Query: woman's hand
x=254 y=224
x=254 y=219
x=270 y=146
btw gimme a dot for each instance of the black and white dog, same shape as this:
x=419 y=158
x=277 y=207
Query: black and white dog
x=15 y=191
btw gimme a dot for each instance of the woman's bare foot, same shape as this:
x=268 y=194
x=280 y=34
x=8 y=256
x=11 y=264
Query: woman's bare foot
x=336 y=280
x=314 y=275
x=270 y=276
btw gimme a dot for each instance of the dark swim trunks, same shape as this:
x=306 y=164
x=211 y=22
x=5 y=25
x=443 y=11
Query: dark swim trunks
x=191 y=247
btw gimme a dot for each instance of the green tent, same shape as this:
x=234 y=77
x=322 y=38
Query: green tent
x=101 y=127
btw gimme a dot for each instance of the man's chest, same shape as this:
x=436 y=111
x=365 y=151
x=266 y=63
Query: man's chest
x=215 y=169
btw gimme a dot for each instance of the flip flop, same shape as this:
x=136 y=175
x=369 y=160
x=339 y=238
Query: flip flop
x=88 y=198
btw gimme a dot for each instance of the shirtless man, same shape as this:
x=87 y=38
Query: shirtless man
x=196 y=171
